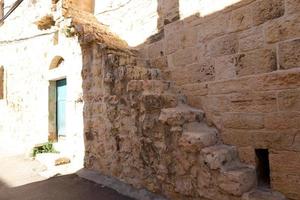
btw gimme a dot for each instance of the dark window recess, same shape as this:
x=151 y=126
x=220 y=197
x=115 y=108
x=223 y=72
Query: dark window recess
x=263 y=167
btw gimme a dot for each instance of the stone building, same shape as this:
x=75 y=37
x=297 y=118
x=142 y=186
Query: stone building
x=191 y=99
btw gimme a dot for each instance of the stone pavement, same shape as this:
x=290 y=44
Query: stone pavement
x=19 y=179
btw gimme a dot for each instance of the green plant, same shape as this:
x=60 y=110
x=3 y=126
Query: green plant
x=44 y=148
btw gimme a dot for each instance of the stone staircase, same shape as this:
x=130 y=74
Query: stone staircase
x=229 y=178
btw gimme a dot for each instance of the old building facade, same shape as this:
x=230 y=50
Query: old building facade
x=202 y=104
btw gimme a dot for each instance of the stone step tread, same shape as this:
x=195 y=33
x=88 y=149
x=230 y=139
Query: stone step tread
x=152 y=100
x=199 y=126
x=180 y=114
x=237 y=181
x=218 y=156
x=263 y=194
x=195 y=141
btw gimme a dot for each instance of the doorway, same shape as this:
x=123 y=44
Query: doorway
x=61 y=100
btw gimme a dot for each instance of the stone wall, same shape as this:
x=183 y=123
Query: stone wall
x=241 y=66
x=239 y=62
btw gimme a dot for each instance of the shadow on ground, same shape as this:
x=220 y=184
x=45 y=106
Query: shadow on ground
x=69 y=187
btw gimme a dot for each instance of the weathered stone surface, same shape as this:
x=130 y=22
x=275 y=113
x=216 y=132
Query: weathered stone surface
x=156 y=50
x=285 y=172
x=213 y=27
x=292 y=6
x=243 y=120
x=267 y=10
x=195 y=141
x=224 y=67
x=251 y=39
x=289 y=100
x=198 y=72
x=218 y=156
x=241 y=18
x=282 y=29
x=263 y=194
x=271 y=81
x=184 y=57
x=180 y=114
x=255 y=62
x=237 y=181
x=226 y=45
x=289 y=54
x=282 y=120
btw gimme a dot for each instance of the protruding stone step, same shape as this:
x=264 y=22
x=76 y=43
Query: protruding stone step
x=263 y=194
x=195 y=141
x=219 y=155
x=152 y=101
x=237 y=181
x=180 y=114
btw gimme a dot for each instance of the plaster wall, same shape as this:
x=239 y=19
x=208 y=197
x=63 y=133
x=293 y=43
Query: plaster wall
x=26 y=54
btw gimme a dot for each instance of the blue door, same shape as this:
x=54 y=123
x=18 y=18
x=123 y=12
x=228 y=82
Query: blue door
x=61 y=99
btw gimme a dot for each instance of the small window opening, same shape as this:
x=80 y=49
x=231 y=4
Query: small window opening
x=263 y=167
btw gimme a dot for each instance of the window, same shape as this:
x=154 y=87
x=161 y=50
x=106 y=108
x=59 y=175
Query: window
x=1 y=82
x=263 y=167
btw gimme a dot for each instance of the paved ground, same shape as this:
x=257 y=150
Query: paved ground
x=19 y=180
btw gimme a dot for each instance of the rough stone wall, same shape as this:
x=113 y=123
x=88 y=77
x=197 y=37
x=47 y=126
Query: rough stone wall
x=241 y=66
x=138 y=129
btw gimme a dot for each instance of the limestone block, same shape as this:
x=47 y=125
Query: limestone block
x=251 y=39
x=282 y=120
x=184 y=57
x=224 y=67
x=180 y=114
x=282 y=29
x=174 y=42
x=267 y=10
x=241 y=18
x=160 y=62
x=226 y=45
x=285 y=172
x=255 y=62
x=270 y=81
x=287 y=183
x=263 y=194
x=198 y=72
x=243 y=120
x=184 y=185
x=195 y=141
x=292 y=6
x=252 y=102
x=237 y=181
x=289 y=54
x=213 y=28
x=247 y=155
x=218 y=156
x=156 y=50
x=289 y=100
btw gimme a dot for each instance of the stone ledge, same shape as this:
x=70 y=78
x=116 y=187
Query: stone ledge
x=117 y=185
